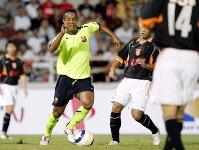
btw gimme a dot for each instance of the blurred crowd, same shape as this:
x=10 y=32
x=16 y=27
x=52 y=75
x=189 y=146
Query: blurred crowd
x=32 y=24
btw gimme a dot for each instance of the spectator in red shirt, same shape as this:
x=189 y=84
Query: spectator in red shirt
x=65 y=5
x=9 y=32
x=48 y=8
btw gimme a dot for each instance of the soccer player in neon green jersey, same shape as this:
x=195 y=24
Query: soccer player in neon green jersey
x=74 y=70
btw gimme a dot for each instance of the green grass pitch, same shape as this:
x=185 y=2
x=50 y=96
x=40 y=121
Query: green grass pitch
x=128 y=142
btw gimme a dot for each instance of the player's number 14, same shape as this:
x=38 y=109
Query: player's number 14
x=183 y=20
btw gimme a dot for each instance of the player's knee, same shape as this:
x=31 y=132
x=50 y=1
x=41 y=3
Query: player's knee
x=57 y=114
x=137 y=115
x=87 y=106
x=117 y=107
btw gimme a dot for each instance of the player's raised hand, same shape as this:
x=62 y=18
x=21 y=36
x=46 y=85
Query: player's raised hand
x=116 y=40
x=112 y=73
x=63 y=29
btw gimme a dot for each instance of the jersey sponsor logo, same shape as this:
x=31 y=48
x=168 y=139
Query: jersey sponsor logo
x=14 y=65
x=13 y=73
x=137 y=51
x=133 y=62
x=7 y=61
x=84 y=39
x=56 y=100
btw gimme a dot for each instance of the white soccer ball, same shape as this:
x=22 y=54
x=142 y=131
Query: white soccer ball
x=84 y=137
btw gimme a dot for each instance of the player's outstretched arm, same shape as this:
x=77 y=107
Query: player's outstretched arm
x=115 y=65
x=55 y=44
x=116 y=40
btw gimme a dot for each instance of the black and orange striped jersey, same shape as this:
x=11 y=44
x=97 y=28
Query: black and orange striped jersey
x=11 y=70
x=176 y=22
x=133 y=50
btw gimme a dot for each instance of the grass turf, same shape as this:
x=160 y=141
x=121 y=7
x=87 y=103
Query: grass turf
x=128 y=142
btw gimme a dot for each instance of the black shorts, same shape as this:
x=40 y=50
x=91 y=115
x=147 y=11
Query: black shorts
x=67 y=87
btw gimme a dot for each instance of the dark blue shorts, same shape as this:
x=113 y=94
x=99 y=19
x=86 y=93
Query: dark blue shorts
x=67 y=87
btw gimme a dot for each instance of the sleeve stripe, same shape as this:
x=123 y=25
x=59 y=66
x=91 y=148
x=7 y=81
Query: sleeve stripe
x=151 y=21
x=22 y=76
x=119 y=59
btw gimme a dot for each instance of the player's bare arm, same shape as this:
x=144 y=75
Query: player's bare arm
x=145 y=65
x=23 y=80
x=54 y=45
x=115 y=65
x=116 y=40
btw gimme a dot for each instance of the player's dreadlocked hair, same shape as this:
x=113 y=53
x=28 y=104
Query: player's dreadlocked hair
x=60 y=22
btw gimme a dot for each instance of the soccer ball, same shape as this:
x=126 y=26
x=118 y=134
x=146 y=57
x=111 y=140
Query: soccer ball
x=84 y=137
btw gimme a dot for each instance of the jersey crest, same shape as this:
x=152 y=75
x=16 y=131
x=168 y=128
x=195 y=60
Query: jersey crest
x=84 y=39
x=14 y=65
x=137 y=51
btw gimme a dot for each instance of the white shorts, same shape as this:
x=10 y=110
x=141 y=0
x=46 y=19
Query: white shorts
x=9 y=96
x=132 y=91
x=175 y=76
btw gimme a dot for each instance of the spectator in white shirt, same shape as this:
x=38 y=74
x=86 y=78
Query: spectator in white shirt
x=31 y=9
x=35 y=41
x=3 y=42
x=22 y=22
x=12 y=6
x=46 y=30
x=125 y=32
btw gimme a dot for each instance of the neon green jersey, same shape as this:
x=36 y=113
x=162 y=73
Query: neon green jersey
x=74 y=56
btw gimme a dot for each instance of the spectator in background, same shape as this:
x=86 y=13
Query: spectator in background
x=34 y=42
x=110 y=7
x=137 y=7
x=85 y=9
x=27 y=56
x=24 y=53
x=101 y=8
x=98 y=68
x=31 y=9
x=3 y=42
x=94 y=17
x=48 y=8
x=22 y=21
x=65 y=5
x=46 y=30
x=9 y=32
x=132 y=21
x=12 y=6
x=121 y=9
x=113 y=22
x=110 y=55
x=19 y=38
x=26 y=2
x=3 y=20
x=45 y=51
x=125 y=32
x=36 y=23
x=54 y=20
